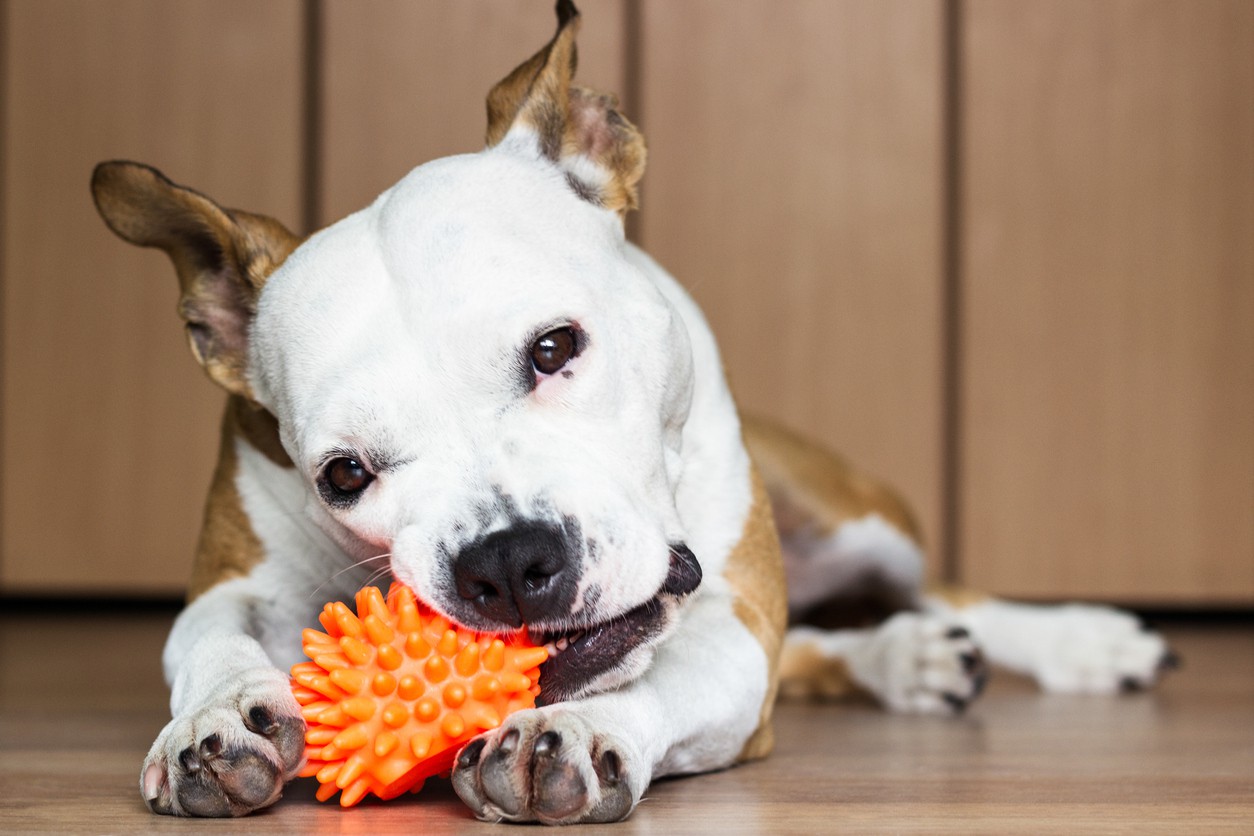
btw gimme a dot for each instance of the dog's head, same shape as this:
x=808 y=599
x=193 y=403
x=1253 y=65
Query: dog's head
x=473 y=373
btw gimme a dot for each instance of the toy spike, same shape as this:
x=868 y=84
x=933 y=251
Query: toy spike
x=394 y=690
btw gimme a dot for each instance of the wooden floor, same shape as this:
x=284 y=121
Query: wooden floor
x=81 y=698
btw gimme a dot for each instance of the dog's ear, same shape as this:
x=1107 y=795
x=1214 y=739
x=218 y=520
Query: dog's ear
x=581 y=131
x=222 y=258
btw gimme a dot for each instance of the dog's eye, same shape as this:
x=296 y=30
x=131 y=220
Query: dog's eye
x=346 y=477
x=553 y=350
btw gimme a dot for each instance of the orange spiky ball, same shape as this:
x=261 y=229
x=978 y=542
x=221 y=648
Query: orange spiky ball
x=395 y=690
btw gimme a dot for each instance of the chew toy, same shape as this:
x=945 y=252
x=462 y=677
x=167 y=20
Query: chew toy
x=394 y=690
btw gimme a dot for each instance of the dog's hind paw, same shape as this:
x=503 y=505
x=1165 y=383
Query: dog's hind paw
x=920 y=664
x=1085 y=649
x=229 y=756
x=546 y=765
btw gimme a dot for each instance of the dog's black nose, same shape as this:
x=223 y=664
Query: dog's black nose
x=521 y=575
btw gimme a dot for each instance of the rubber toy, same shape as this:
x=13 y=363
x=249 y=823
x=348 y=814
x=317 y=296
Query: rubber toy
x=394 y=691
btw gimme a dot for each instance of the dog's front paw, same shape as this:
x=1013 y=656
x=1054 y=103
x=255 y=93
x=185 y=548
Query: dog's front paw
x=920 y=664
x=547 y=765
x=1097 y=650
x=230 y=755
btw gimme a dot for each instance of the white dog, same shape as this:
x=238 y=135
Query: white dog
x=478 y=387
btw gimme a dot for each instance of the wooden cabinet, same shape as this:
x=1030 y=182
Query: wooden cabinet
x=1001 y=254
x=1107 y=242
x=795 y=187
x=109 y=427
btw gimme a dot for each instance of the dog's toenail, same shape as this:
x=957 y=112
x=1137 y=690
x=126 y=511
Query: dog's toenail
x=1170 y=661
x=611 y=767
x=971 y=662
x=470 y=755
x=547 y=744
x=957 y=703
x=210 y=747
x=956 y=633
x=189 y=761
x=1130 y=684
x=260 y=720
x=509 y=742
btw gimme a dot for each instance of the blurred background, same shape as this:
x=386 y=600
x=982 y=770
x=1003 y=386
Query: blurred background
x=999 y=253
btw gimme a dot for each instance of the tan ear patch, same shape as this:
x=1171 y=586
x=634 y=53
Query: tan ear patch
x=580 y=131
x=536 y=92
x=598 y=132
x=222 y=258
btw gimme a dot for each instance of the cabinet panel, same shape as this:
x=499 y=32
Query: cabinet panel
x=795 y=187
x=109 y=427
x=1108 y=442
x=405 y=82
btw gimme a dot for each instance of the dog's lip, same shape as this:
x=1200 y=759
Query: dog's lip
x=580 y=654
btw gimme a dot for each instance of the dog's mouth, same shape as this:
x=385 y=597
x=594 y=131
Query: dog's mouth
x=580 y=656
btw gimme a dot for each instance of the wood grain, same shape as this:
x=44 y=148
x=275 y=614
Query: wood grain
x=109 y=426
x=1108 y=440
x=404 y=82
x=794 y=186
x=73 y=735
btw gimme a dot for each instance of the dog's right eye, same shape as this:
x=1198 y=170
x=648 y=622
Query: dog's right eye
x=553 y=350
x=344 y=478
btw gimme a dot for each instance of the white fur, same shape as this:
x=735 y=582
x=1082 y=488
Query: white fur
x=401 y=329
x=699 y=701
x=281 y=595
x=397 y=332
x=1076 y=648
x=866 y=550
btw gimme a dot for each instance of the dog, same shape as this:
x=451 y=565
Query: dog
x=478 y=387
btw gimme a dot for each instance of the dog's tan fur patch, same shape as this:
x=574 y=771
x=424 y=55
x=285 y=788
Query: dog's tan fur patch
x=810 y=486
x=805 y=672
x=956 y=596
x=755 y=571
x=228 y=547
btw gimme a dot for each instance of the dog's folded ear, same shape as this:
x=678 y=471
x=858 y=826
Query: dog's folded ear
x=222 y=258
x=581 y=131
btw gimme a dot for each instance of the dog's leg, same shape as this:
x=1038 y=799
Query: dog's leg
x=912 y=663
x=849 y=541
x=1073 y=648
x=590 y=760
x=237 y=735
x=852 y=553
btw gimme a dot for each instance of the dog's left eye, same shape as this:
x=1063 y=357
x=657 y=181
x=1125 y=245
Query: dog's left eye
x=553 y=350
x=344 y=478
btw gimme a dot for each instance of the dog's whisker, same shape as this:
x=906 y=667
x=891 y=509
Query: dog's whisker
x=356 y=565
x=376 y=575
